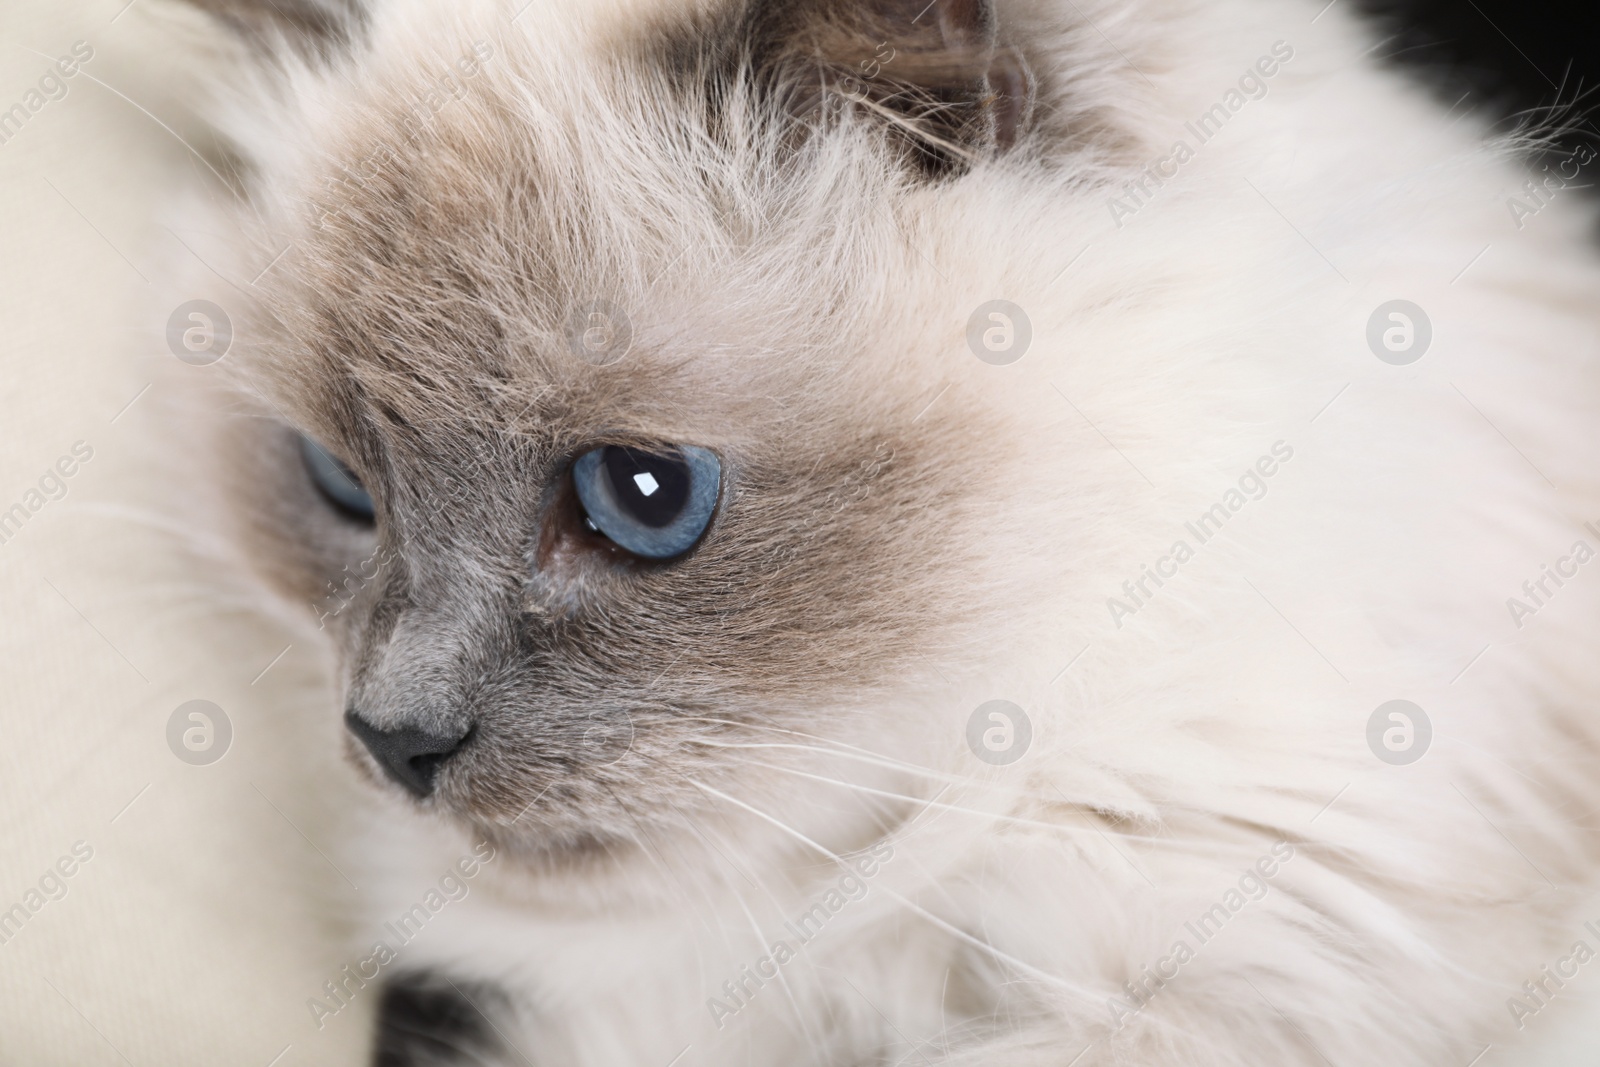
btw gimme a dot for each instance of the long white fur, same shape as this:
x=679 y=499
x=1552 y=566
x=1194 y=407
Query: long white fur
x=1173 y=752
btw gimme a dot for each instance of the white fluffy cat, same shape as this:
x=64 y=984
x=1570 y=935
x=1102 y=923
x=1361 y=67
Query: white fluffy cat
x=1166 y=370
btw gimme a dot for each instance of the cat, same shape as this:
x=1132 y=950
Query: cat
x=975 y=531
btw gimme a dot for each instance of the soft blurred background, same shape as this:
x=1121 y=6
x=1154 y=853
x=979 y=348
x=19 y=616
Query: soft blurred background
x=207 y=910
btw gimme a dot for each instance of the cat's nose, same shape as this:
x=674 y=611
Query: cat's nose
x=409 y=755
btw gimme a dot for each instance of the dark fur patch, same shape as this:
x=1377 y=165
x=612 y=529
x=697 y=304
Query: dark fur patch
x=938 y=74
x=425 y=1020
x=311 y=27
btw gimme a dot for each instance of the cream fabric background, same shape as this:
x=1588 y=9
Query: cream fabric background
x=208 y=913
x=210 y=909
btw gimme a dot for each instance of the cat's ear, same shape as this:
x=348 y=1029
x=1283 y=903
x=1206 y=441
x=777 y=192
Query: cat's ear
x=939 y=72
x=309 y=29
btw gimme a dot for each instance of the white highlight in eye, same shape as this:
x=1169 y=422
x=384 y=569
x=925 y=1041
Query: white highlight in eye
x=646 y=482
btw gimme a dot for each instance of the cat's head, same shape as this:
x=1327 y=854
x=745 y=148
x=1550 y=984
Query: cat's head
x=605 y=354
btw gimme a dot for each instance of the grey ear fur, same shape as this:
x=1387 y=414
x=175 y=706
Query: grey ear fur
x=314 y=29
x=939 y=72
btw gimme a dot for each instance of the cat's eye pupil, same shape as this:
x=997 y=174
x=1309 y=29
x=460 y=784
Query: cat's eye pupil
x=654 y=504
x=649 y=487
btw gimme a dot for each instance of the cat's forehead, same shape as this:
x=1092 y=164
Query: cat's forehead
x=491 y=231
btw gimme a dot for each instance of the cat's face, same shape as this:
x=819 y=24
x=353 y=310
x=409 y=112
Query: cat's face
x=631 y=352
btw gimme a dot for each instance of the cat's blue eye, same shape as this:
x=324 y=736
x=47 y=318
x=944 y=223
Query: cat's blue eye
x=336 y=481
x=653 y=504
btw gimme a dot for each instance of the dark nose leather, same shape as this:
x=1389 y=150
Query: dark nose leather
x=410 y=756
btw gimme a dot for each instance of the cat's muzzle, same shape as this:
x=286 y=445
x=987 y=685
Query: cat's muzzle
x=409 y=755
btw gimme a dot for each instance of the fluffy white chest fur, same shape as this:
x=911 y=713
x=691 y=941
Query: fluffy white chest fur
x=1167 y=371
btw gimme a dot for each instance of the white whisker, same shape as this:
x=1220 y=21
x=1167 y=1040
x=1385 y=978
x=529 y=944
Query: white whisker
x=996 y=816
x=158 y=122
x=838 y=746
x=1005 y=957
x=783 y=979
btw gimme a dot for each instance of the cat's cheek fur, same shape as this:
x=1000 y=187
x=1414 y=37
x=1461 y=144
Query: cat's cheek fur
x=1212 y=728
